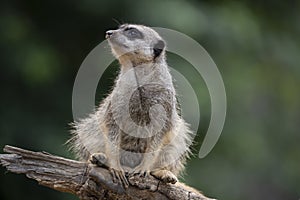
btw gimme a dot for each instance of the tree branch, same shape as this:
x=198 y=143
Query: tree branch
x=87 y=181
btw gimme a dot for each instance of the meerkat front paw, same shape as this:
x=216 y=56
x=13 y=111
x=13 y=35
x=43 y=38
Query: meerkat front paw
x=99 y=159
x=119 y=177
x=165 y=175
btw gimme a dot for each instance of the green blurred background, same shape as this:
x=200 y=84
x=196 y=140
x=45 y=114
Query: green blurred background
x=255 y=44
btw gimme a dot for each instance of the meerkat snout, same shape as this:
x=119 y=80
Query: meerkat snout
x=108 y=33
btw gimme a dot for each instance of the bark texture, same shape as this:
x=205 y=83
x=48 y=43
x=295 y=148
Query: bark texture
x=87 y=181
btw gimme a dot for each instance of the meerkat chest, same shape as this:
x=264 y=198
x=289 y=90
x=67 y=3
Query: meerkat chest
x=144 y=111
x=143 y=98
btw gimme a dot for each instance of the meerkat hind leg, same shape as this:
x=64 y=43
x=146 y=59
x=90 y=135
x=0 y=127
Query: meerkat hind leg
x=165 y=175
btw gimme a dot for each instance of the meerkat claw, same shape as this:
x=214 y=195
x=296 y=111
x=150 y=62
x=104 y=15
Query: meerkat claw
x=119 y=177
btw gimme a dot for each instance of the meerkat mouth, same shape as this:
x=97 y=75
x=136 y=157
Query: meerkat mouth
x=116 y=44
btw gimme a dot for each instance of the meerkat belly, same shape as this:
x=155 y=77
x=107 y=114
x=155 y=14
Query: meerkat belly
x=150 y=123
x=135 y=142
x=132 y=150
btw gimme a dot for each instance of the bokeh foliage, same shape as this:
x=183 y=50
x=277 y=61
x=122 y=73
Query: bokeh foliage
x=255 y=44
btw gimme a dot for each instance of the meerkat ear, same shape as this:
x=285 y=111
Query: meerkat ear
x=158 y=48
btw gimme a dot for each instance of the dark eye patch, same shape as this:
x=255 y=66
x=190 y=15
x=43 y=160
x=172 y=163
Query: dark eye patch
x=133 y=33
x=128 y=28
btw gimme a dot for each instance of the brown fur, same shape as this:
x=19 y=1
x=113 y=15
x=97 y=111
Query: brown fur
x=120 y=134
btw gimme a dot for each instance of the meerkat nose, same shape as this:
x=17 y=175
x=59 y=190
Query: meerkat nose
x=108 y=34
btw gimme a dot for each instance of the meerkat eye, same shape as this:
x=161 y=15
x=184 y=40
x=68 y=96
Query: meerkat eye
x=132 y=32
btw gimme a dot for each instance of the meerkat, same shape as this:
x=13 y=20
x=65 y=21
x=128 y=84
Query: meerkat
x=137 y=128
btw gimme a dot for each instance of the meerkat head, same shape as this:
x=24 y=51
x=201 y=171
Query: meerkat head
x=136 y=44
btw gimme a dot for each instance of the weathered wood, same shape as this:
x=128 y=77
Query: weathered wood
x=87 y=181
